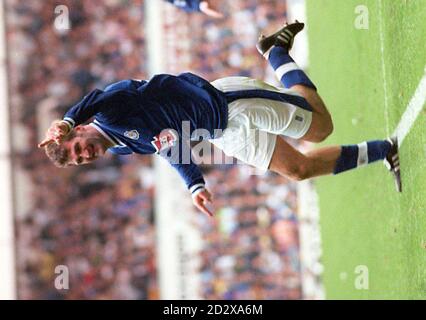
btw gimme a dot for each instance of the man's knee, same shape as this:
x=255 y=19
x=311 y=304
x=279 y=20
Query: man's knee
x=290 y=163
x=326 y=128
x=300 y=172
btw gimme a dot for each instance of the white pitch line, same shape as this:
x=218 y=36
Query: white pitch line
x=385 y=82
x=413 y=110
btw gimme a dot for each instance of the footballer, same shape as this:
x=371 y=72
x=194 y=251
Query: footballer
x=160 y=115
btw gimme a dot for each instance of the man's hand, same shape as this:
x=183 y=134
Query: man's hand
x=201 y=199
x=56 y=133
x=209 y=10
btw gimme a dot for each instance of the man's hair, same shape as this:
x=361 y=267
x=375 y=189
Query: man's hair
x=57 y=154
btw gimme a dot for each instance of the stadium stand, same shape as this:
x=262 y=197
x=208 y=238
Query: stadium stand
x=99 y=220
x=107 y=245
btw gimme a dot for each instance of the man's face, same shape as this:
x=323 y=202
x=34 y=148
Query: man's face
x=84 y=146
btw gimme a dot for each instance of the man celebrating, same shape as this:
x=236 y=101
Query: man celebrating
x=161 y=115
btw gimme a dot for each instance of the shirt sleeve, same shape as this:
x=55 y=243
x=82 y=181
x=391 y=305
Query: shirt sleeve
x=187 y=169
x=192 y=176
x=98 y=101
x=187 y=5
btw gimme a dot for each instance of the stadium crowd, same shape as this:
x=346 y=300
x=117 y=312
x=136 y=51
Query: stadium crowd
x=226 y=47
x=251 y=249
x=107 y=245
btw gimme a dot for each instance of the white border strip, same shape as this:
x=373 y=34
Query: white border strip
x=7 y=248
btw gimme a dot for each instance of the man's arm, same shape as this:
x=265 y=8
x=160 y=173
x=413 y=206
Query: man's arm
x=191 y=174
x=99 y=101
x=195 y=182
x=95 y=102
x=90 y=105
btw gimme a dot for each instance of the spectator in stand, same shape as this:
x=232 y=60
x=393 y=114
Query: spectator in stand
x=108 y=247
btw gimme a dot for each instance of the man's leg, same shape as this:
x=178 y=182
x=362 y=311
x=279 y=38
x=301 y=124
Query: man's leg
x=289 y=162
x=292 y=77
x=335 y=159
x=275 y=48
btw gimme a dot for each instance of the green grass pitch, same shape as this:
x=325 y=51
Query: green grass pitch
x=364 y=222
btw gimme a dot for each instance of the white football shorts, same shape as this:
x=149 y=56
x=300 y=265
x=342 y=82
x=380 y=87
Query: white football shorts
x=255 y=123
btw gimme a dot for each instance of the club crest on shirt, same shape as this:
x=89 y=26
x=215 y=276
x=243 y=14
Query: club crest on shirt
x=164 y=140
x=132 y=134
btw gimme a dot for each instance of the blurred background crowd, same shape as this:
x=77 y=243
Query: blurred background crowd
x=251 y=249
x=226 y=47
x=99 y=219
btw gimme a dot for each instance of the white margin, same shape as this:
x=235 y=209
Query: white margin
x=7 y=247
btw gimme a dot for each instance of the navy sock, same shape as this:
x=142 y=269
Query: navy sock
x=354 y=156
x=287 y=70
